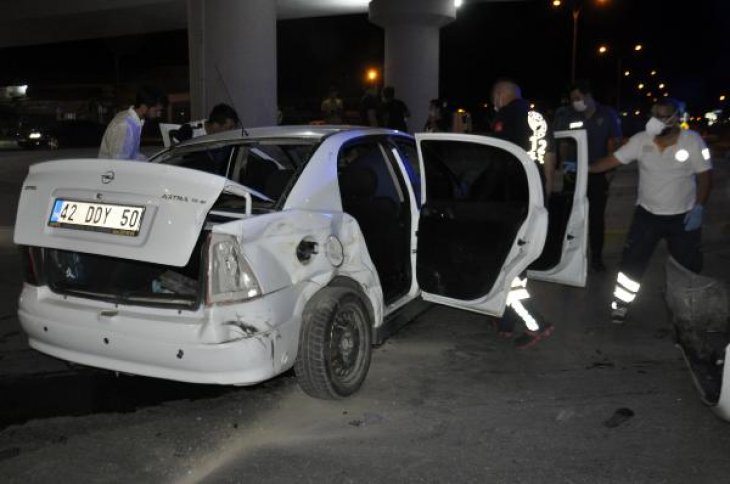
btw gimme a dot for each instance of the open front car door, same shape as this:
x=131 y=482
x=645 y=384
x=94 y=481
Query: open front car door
x=564 y=258
x=482 y=221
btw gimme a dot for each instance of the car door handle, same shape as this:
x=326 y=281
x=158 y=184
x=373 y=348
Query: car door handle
x=570 y=237
x=521 y=242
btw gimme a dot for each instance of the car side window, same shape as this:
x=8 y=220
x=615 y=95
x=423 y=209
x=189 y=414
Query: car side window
x=365 y=173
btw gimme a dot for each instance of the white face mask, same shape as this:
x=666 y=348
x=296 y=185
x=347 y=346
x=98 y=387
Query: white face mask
x=580 y=105
x=655 y=127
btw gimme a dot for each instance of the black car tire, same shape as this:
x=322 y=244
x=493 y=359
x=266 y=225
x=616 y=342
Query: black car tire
x=53 y=143
x=335 y=344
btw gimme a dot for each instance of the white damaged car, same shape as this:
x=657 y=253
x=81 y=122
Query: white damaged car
x=230 y=258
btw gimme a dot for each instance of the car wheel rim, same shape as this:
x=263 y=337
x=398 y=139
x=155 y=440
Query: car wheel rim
x=345 y=344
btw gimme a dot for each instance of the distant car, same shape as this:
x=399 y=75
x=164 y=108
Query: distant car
x=230 y=258
x=52 y=134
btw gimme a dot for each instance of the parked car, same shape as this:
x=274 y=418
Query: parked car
x=52 y=134
x=230 y=258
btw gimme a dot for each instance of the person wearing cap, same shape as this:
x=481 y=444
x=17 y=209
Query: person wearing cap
x=675 y=180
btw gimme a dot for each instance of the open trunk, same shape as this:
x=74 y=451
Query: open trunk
x=143 y=212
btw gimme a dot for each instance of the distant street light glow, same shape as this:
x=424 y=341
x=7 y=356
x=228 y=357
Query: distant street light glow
x=722 y=98
x=372 y=75
x=627 y=73
x=638 y=47
x=602 y=49
x=557 y=3
x=458 y=3
x=641 y=86
x=661 y=86
x=653 y=73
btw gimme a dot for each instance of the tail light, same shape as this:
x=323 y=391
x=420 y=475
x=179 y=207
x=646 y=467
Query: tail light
x=230 y=277
x=31 y=259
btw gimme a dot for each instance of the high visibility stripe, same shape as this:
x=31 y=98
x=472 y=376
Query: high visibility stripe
x=525 y=316
x=517 y=282
x=575 y=125
x=614 y=305
x=629 y=284
x=623 y=295
x=518 y=294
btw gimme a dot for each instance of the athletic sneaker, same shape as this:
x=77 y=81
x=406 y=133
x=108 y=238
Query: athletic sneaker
x=529 y=339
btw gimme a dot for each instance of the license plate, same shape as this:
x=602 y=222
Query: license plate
x=99 y=217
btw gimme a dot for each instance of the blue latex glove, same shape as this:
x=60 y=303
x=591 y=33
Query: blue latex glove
x=693 y=219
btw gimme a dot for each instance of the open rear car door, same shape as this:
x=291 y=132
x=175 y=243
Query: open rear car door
x=564 y=258
x=482 y=221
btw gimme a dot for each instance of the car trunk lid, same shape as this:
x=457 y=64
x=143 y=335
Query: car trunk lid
x=171 y=205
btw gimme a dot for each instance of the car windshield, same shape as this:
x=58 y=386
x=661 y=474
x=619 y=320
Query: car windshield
x=267 y=166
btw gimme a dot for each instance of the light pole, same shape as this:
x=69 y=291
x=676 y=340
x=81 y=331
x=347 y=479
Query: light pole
x=576 y=7
x=603 y=50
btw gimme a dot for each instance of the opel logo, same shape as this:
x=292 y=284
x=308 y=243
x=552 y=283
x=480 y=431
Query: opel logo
x=107 y=177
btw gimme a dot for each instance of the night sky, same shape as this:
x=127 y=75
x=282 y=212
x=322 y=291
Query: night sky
x=685 y=42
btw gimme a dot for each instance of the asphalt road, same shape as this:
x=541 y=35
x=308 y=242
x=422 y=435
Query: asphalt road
x=446 y=400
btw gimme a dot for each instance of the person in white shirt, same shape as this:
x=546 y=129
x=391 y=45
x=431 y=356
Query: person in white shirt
x=675 y=180
x=122 y=136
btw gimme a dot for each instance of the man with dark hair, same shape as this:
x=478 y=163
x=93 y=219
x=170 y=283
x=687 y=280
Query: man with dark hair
x=394 y=111
x=603 y=129
x=221 y=118
x=122 y=137
x=675 y=180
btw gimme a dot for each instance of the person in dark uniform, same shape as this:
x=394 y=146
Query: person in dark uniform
x=516 y=122
x=603 y=129
x=394 y=112
x=369 y=107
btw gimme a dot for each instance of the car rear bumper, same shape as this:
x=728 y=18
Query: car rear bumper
x=194 y=347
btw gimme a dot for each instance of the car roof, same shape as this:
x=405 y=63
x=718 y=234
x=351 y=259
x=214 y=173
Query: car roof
x=305 y=132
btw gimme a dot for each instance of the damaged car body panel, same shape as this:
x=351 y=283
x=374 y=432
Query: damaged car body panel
x=700 y=315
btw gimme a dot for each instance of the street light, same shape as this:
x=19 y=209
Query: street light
x=371 y=75
x=603 y=49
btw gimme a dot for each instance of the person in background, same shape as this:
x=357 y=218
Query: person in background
x=603 y=129
x=439 y=119
x=395 y=113
x=675 y=180
x=123 y=134
x=332 y=108
x=369 y=107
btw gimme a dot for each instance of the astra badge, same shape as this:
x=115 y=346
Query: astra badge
x=107 y=177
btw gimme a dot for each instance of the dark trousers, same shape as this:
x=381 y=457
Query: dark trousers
x=597 y=195
x=645 y=233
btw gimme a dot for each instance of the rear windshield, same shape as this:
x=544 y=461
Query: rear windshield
x=268 y=167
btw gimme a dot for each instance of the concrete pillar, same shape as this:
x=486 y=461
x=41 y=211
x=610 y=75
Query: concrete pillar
x=232 y=46
x=412 y=49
